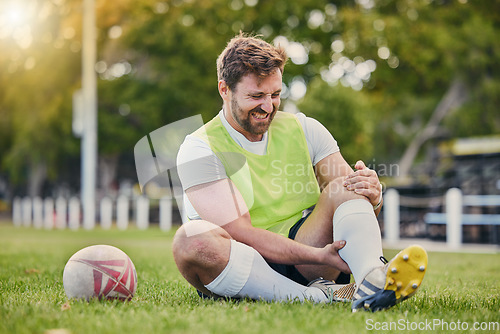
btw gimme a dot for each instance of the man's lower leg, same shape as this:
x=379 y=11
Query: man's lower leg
x=247 y=275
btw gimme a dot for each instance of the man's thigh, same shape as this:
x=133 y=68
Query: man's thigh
x=317 y=231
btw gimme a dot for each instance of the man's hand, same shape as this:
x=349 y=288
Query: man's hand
x=364 y=181
x=332 y=257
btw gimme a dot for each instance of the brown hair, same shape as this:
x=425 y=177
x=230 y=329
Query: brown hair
x=248 y=54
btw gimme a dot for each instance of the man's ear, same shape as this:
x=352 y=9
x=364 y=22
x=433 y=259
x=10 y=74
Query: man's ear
x=223 y=90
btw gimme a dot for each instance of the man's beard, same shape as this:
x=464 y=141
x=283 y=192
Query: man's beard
x=244 y=119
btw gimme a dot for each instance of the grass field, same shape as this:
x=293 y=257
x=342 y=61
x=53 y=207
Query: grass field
x=459 y=291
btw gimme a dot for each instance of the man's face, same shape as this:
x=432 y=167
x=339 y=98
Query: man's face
x=253 y=104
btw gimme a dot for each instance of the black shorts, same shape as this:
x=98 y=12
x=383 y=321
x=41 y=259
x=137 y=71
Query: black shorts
x=289 y=270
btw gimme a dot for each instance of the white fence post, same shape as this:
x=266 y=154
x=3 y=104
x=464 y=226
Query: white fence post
x=391 y=215
x=17 y=212
x=142 y=212
x=74 y=213
x=454 y=218
x=165 y=214
x=61 y=211
x=106 y=213
x=122 y=212
x=26 y=211
x=48 y=213
x=37 y=212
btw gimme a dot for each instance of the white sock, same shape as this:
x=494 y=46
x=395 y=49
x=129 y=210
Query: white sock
x=247 y=274
x=355 y=222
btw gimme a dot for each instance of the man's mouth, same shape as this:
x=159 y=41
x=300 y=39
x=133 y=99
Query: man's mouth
x=260 y=116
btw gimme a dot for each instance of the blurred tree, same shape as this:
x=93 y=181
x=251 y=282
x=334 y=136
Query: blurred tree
x=347 y=115
x=38 y=68
x=422 y=48
x=381 y=66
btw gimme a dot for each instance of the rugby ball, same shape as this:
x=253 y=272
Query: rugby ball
x=100 y=271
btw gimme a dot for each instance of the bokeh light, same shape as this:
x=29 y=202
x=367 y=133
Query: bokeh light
x=15 y=21
x=298 y=54
x=352 y=73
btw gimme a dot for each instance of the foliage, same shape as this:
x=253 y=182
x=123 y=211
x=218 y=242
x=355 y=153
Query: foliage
x=432 y=44
x=157 y=65
x=347 y=114
x=38 y=69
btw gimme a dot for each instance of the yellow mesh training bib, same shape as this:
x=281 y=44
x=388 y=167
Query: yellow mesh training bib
x=276 y=186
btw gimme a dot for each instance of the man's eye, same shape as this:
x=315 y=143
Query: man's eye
x=260 y=96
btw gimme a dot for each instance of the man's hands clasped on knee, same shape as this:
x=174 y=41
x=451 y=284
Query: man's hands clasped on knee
x=364 y=181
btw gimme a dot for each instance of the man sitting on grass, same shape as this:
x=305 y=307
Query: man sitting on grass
x=251 y=176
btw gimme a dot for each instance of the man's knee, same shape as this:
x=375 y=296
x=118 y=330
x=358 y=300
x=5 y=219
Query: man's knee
x=195 y=239
x=336 y=193
x=335 y=187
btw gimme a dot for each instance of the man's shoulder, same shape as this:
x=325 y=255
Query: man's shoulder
x=284 y=119
x=196 y=143
x=308 y=124
x=305 y=119
x=202 y=130
x=284 y=114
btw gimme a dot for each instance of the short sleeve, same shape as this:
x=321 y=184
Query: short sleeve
x=197 y=163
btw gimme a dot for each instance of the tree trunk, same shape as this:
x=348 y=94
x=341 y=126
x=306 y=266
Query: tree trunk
x=454 y=98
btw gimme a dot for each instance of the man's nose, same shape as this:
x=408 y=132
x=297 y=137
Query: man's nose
x=267 y=104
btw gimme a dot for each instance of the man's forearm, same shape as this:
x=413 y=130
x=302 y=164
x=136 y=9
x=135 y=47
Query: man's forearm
x=276 y=248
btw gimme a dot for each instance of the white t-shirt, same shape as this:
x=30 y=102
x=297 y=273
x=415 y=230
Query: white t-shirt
x=209 y=168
